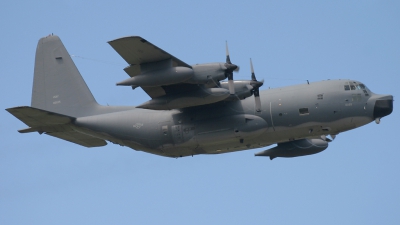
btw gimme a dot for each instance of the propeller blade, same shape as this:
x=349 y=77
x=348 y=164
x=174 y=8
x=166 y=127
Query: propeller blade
x=253 y=76
x=257 y=100
x=256 y=85
x=258 y=103
x=231 y=87
x=229 y=71
x=228 y=59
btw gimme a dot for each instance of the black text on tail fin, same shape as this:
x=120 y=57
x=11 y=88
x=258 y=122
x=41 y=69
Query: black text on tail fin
x=57 y=84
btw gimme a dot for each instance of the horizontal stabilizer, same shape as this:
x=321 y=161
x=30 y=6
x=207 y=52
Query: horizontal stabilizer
x=79 y=138
x=36 y=117
x=53 y=124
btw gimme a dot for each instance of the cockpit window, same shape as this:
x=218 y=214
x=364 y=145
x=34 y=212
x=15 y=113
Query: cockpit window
x=356 y=86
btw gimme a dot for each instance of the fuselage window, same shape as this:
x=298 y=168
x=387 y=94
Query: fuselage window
x=320 y=96
x=303 y=111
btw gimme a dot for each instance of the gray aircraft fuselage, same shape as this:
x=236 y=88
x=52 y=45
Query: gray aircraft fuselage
x=288 y=113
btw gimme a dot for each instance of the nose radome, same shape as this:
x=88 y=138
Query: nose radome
x=383 y=106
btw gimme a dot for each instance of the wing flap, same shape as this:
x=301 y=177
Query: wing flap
x=154 y=92
x=133 y=70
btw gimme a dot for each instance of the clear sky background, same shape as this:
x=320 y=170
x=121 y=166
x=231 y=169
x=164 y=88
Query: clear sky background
x=44 y=180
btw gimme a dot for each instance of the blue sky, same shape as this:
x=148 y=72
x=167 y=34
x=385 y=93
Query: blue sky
x=44 y=180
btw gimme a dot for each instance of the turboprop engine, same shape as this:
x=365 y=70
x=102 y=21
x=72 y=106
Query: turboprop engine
x=295 y=148
x=207 y=73
x=243 y=89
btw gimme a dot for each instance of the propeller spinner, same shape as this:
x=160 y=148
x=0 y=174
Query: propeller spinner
x=229 y=71
x=256 y=87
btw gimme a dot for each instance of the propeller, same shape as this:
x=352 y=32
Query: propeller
x=229 y=71
x=256 y=87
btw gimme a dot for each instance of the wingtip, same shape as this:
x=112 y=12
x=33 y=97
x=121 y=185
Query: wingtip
x=125 y=37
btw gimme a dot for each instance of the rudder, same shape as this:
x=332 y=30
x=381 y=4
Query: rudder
x=57 y=84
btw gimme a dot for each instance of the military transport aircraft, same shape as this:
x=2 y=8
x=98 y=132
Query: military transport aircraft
x=192 y=110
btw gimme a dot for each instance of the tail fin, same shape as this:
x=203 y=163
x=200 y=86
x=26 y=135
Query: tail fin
x=57 y=84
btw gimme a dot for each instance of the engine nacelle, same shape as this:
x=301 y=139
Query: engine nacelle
x=161 y=77
x=295 y=148
x=207 y=73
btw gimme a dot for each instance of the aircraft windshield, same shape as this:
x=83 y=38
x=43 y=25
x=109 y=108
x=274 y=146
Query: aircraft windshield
x=352 y=85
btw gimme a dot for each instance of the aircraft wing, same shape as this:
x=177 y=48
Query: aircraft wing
x=140 y=55
x=53 y=124
x=162 y=76
x=136 y=50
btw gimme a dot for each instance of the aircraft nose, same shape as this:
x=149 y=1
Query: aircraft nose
x=383 y=106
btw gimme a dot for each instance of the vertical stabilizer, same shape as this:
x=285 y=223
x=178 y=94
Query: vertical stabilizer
x=57 y=84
